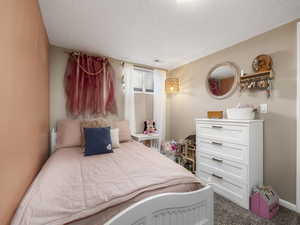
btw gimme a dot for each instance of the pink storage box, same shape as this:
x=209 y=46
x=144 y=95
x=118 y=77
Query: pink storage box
x=264 y=204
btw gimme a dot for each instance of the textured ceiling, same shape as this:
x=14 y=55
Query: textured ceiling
x=173 y=31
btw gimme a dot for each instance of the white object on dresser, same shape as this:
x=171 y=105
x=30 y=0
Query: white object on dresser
x=241 y=113
x=230 y=156
x=153 y=138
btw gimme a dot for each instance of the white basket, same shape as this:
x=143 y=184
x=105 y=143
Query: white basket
x=241 y=114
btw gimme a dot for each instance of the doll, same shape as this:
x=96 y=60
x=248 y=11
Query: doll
x=149 y=127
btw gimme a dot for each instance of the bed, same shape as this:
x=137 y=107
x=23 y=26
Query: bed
x=132 y=186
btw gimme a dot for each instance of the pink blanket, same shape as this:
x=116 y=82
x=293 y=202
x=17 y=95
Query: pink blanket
x=71 y=186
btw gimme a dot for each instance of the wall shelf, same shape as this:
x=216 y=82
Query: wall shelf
x=259 y=81
x=257 y=75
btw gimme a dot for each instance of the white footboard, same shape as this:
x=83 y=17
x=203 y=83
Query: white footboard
x=190 y=208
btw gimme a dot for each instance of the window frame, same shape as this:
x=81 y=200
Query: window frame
x=143 y=81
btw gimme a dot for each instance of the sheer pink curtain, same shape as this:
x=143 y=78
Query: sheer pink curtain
x=89 y=86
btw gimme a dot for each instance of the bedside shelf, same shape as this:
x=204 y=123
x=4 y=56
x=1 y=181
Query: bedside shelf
x=152 y=139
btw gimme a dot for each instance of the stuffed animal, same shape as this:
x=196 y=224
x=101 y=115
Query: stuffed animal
x=149 y=127
x=170 y=146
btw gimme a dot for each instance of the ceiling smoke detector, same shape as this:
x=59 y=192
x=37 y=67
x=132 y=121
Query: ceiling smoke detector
x=183 y=1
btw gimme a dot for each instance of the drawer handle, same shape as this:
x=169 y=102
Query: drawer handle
x=216 y=127
x=216 y=143
x=217 y=160
x=218 y=177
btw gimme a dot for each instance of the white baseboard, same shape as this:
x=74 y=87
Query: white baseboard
x=288 y=205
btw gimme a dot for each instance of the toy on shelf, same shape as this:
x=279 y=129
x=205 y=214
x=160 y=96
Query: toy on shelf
x=186 y=153
x=182 y=152
x=189 y=153
x=149 y=127
x=171 y=146
x=171 y=150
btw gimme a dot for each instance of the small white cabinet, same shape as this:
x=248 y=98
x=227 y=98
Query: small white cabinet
x=230 y=156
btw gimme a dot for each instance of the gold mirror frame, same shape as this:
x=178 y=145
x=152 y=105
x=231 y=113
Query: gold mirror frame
x=235 y=82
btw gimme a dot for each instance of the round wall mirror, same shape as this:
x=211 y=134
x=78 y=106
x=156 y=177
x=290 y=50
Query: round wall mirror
x=222 y=80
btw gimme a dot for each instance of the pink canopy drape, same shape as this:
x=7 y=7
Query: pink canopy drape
x=89 y=86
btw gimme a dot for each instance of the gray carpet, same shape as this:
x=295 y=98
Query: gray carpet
x=228 y=213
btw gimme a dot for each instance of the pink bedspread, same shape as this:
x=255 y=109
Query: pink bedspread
x=71 y=186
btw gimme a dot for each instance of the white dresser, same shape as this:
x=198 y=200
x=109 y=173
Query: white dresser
x=230 y=156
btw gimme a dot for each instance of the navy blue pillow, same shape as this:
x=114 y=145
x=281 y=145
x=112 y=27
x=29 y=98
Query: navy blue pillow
x=97 y=141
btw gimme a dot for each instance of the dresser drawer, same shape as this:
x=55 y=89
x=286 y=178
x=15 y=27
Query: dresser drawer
x=230 y=133
x=235 y=192
x=234 y=152
x=235 y=171
x=223 y=174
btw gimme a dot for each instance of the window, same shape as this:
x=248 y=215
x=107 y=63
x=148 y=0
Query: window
x=143 y=80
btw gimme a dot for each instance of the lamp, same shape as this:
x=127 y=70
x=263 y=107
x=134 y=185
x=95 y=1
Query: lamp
x=172 y=85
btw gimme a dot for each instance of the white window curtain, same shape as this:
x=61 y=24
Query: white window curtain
x=159 y=103
x=129 y=110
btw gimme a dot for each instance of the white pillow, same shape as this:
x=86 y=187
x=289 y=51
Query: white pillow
x=114 y=134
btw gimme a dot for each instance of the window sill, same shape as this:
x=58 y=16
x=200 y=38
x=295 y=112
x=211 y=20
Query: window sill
x=143 y=92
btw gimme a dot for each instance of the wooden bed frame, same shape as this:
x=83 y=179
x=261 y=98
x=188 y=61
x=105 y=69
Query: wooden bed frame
x=188 y=208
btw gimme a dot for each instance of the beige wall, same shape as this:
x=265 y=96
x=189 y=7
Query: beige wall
x=24 y=96
x=280 y=123
x=58 y=62
x=143 y=110
x=57 y=67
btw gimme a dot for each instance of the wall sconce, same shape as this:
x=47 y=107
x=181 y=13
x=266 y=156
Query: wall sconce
x=172 y=85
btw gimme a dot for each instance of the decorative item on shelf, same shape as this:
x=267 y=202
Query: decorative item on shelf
x=178 y=154
x=262 y=78
x=171 y=146
x=262 y=63
x=189 y=153
x=172 y=85
x=215 y=114
x=182 y=152
x=242 y=73
x=171 y=150
x=149 y=127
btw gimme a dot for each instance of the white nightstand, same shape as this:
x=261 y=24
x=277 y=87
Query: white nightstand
x=152 y=138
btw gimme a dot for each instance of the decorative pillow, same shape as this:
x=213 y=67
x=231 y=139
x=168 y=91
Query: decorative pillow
x=114 y=134
x=98 y=141
x=124 y=131
x=68 y=133
x=98 y=123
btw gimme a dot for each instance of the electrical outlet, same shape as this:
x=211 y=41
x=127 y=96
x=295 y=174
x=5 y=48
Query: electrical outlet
x=263 y=108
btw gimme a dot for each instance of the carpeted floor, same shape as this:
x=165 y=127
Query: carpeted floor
x=228 y=213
